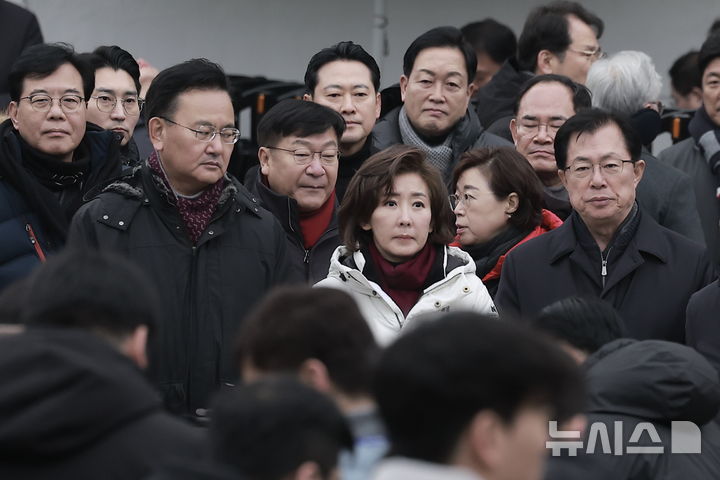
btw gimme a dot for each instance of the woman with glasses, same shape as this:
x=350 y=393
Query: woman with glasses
x=498 y=205
x=395 y=223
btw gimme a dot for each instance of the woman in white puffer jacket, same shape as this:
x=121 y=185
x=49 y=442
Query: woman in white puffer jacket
x=395 y=222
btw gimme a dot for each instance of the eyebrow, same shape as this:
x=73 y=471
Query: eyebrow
x=205 y=123
x=42 y=90
x=470 y=187
x=534 y=117
x=602 y=157
x=412 y=194
x=109 y=90
x=302 y=141
x=450 y=74
x=360 y=85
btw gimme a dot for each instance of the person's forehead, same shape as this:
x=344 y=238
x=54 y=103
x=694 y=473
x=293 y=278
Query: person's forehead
x=713 y=68
x=323 y=139
x=107 y=78
x=342 y=72
x=441 y=60
x=547 y=98
x=581 y=34
x=200 y=100
x=65 y=77
x=606 y=141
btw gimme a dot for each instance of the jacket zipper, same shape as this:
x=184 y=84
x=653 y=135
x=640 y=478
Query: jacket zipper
x=35 y=242
x=604 y=261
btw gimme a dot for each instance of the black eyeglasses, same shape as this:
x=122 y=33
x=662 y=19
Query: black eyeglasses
x=304 y=156
x=42 y=102
x=207 y=134
x=106 y=103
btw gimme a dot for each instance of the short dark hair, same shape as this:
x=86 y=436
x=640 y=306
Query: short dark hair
x=374 y=180
x=709 y=51
x=581 y=96
x=507 y=171
x=586 y=323
x=547 y=28
x=267 y=429
x=491 y=37
x=441 y=37
x=340 y=51
x=195 y=74
x=297 y=117
x=433 y=380
x=41 y=61
x=91 y=290
x=294 y=324
x=116 y=58
x=590 y=121
x=685 y=73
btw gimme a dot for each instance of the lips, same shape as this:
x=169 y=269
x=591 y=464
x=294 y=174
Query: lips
x=56 y=131
x=213 y=164
x=404 y=236
x=434 y=111
x=542 y=153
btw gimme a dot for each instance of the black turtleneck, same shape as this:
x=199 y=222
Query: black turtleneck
x=348 y=166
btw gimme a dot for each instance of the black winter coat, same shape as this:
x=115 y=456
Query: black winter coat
x=656 y=383
x=306 y=266
x=702 y=329
x=33 y=221
x=206 y=289
x=649 y=284
x=71 y=406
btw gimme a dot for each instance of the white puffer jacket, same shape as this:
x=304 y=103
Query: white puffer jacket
x=461 y=289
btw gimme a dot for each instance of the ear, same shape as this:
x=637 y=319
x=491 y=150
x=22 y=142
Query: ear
x=12 y=113
x=366 y=226
x=403 y=86
x=378 y=105
x=307 y=471
x=157 y=130
x=314 y=373
x=134 y=347
x=696 y=93
x=513 y=131
x=471 y=89
x=513 y=202
x=264 y=158
x=638 y=170
x=307 y=97
x=563 y=179
x=545 y=62
x=485 y=440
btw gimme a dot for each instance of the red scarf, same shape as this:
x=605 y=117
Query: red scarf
x=195 y=212
x=314 y=224
x=404 y=282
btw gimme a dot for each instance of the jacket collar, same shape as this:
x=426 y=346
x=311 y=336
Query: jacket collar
x=563 y=240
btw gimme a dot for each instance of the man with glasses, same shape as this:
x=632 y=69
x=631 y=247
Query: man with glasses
x=299 y=159
x=608 y=248
x=558 y=38
x=115 y=103
x=200 y=235
x=49 y=157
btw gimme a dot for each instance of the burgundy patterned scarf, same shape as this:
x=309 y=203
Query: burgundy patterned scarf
x=197 y=211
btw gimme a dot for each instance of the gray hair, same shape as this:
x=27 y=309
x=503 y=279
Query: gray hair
x=624 y=83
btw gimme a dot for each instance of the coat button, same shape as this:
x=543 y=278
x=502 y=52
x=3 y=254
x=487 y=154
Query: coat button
x=254 y=201
x=466 y=289
x=105 y=217
x=210 y=232
x=374 y=293
x=121 y=223
x=437 y=304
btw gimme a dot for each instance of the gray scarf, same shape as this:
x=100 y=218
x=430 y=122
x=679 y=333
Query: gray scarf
x=440 y=155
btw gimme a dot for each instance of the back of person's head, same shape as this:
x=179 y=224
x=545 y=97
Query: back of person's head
x=299 y=118
x=546 y=28
x=195 y=74
x=585 y=323
x=349 y=51
x=269 y=429
x=507 y=171
x=590 y=121
x=97 y=291
x=441 y=37
x=295 y=324
x=41 y=61
x=709 y=51
x=433 y=381
x=581 y=96
x=624 y=82
x=116 y=58
x=491 y=37
x=685 y=74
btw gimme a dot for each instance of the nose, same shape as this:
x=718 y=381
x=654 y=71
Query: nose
x=597 y=178
x=118 y=113
x=436 y=93
x=215 y=146
x=459 y=209
x=543 y=134
x=315 y=168
x=404 y=217
x=56 y=110
x=347 y=105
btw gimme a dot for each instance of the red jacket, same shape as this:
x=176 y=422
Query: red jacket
x=549 y=221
